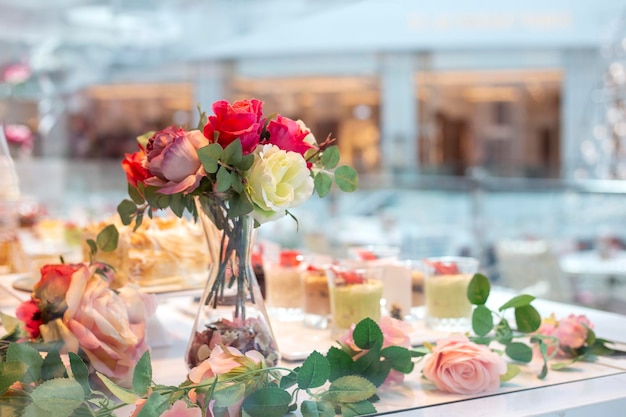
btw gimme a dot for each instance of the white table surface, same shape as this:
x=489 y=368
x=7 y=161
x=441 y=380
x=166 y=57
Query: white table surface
x=591 y=263
x=601 y=396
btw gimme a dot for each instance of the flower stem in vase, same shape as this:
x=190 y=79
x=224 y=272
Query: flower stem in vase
x=231 y=312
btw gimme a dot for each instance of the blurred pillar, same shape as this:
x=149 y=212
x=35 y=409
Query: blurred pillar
x=212 y=81
x=398 y=112
x=581 y=74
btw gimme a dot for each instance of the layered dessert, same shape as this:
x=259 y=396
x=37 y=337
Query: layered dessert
x=316 y=293
x=353 y=297
x=283 y=289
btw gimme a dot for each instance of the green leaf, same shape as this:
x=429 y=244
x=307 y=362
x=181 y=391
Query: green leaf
x=482 y=320
x=229 y=395
x=124 y=395
x=350 y=389
x=135 y=195
x=11 y=324
x=267 y=402
x=367 y=334
x=139 y=220
x=399 y=357
x=93 y=248
x=107 y=238
x=478 y=289
x=142 y=375
x=223 y=179
x=340 y=363
x=511 y=372
x=246 y=162
x=236 y=182
x=322 y=182
x=562 y=365
x=239 y=205
x=58 y=396
x=11 y=372
x=591 y=337
x=527 y=318
x=371 y=367
x=504 y=334
x=317 y=409
x=21 y=352
x=177 y=204
x=289 y=380
x=330 y=157
x=52 y=366
x=32 y=410
x=127 y=210
x=314 y=371
x=232 y=153
x=520 y=352
x=151 y=193
x=209 y=155
x=80 y=372
x=163 y=201
x=155 y=405
x=518 y=301
x=83 y=411
x=357 y=409
x=346 y=178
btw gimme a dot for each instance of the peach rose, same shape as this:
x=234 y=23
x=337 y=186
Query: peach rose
x=179 y=409
x=571 y=333
x=221 y=362
x=463 y=367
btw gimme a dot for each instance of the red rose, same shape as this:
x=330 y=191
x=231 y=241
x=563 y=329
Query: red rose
x=134 y=168
x=289 y=135
x=52 y=286
x=29 y=313
x=240 y=120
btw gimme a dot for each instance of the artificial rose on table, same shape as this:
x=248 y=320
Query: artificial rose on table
x=74 y=304
x=570 y=333
x=460 y=366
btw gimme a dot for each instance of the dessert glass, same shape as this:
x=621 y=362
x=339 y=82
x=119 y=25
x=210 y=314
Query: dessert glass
x=283 y=290
x=445 y=289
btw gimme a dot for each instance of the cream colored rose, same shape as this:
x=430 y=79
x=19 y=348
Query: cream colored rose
x=277 y=181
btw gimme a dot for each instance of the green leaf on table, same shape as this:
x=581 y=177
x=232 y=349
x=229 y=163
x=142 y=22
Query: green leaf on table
x=330 y=157
x=527 y=318
x=317 y=409
x=399 y=358
x=52 y=366
x=367 y=334
x=135 y=195
x=562 y=365
x=518 y=301
x=127 y=210
x=512 y=371
x=155 y=405
x=591 y=337
x=346 y=178
x=232 y=153
x=340 y=363
x=322 y=182
x=371 y=367
x=21 y=352
x=239 y=205
x=289 y=380
x=142 y=375
x=11 y=372
x=482 y=320
x=124 y=395
x=80 y=372
x=229 y=395
x=245 y=163
x=504 y=334
x=223 y=179
x=350 y=389
x=314 y=372
x=478 y=289
x=520 y=352
x=357 y=409
x=267 y=402
x=107 y=238
x=209 y=155
x=60 y=397
x=177 y=204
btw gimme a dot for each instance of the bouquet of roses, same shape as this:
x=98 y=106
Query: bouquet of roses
x=72 y=306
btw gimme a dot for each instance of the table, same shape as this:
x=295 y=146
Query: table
x=603 y=395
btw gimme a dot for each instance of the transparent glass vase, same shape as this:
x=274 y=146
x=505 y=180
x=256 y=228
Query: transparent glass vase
x=231 y=311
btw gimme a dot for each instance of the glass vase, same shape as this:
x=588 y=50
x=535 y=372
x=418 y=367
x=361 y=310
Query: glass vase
x=231 y=311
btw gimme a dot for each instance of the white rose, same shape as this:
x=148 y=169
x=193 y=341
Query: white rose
x=278 y=180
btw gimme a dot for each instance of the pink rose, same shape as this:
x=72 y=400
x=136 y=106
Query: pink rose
x=289 y=135
x=53 y=284
x=179 y=409
x=463 y=367
x=571 y=333
x=173 y=161
x=97 y=320
x=240 y=120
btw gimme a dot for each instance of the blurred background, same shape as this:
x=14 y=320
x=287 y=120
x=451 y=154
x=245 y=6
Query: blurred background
x=492 y=129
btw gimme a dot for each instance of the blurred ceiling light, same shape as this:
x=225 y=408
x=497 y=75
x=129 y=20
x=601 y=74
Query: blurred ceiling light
x=526 y=76
x=139 y=91
x=482 y=94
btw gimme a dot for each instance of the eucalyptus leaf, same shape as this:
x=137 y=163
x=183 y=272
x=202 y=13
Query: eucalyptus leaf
x=367 y=334
x=482 y=320
x=357 y=409
x=177 y=204
x=527 y=318
x=239 y=205
x=322 y=182
x=346 y=178
x=93 y=248
x=209 y=156
x=127 y=210
x=142 y=375
x=518 y=301
x=330 y=157
x=232 y=153
x=135 y=195
x=350 y=389
x=478 y=289
x=59 y=396
x=267 y=402
x=223 y=179
x=108 y=238
x=520 y=352
x=236 y=181
x=314 y=372
x=163 y=201
x=245 y=163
